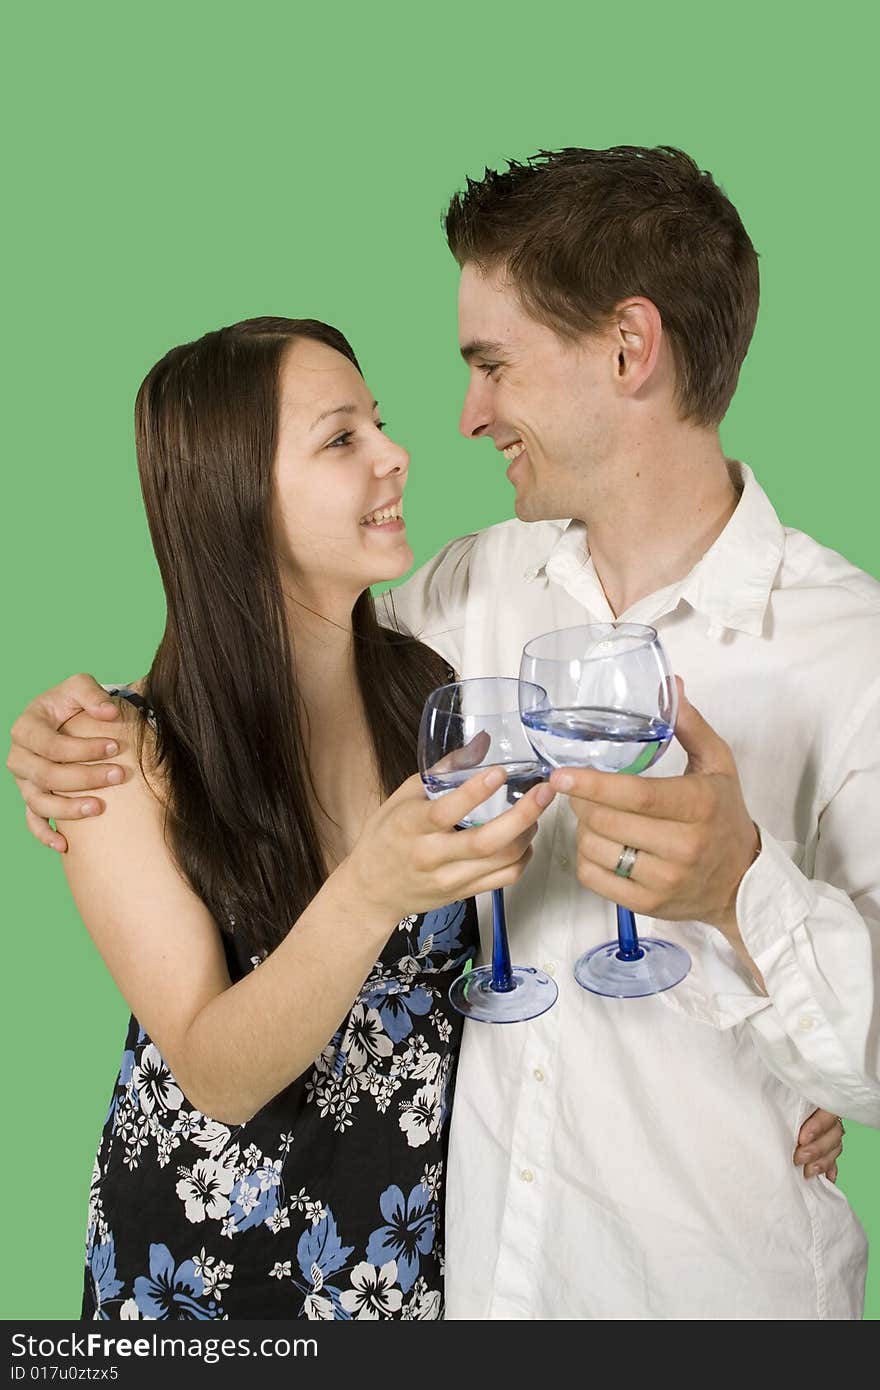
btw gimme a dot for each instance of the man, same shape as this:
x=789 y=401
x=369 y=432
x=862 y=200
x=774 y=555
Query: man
x=630 y=1158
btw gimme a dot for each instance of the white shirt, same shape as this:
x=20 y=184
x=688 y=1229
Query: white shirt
x=633 y=1158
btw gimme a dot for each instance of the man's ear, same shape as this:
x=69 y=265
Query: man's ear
x=638 y=334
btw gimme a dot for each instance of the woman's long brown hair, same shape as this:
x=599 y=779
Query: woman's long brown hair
x=230 y=744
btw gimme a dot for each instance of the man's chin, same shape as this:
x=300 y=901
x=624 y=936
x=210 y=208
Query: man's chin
x=528 y=508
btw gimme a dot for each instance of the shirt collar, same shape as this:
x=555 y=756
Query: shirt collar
x=731 y=584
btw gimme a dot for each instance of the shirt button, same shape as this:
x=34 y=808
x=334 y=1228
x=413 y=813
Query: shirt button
x=538 y=1074
x=806 y=1022
x=564 y=862
x=527 y=1175
x=549 y=967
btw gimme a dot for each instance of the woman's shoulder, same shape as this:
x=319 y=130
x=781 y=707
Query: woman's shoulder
x=134 y=732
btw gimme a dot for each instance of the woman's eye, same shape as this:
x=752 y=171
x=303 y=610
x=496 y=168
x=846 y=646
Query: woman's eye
x=341 y=440
x=381 y=424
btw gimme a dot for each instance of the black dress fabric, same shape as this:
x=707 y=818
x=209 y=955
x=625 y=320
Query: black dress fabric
x=328 y=1203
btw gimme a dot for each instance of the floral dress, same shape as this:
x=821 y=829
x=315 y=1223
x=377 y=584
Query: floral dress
x=328 y=1203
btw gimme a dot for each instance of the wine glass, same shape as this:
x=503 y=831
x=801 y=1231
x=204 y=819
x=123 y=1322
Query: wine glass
x=603 y=696
x=469 y=726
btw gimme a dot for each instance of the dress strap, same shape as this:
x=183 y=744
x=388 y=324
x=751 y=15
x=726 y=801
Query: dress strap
x=124 y=692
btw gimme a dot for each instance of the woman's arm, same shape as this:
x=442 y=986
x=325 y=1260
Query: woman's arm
x=232 y=1047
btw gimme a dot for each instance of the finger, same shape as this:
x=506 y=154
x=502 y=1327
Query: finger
x=706 y=750
x=820 y=1123
x=77 y=693
x=49 y=807
x=471 y=755
x=449 y=809
x=625 y=891
x=813 y=1170
x=831 y=1175
x=663 y=838
x=498 y=834
x=63 y=777
x=821 y=1137
x=483 y=882
x=42 y=830
x=36 y=735
x=666 y=798
x=648 y=869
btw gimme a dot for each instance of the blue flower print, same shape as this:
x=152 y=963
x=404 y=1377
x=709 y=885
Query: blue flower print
x=409 y=1232
x=396 y=1003
x=254 y=1198
x=444 y=926
x=320 y=1251
x=101 y=1261
x=173 y=1293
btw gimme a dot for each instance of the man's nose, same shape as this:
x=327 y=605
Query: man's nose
x=476 y=415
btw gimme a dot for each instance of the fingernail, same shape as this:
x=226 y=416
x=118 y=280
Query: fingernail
x=494 y=778
x=114 y=774
x=544 y=795
x=564 y=782
x=88 y=808
x=111 y=749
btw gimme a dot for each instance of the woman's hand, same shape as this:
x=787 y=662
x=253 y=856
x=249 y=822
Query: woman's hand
x=411 y=858
x=820 y=1144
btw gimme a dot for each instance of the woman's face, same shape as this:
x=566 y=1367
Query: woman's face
x=338 y=481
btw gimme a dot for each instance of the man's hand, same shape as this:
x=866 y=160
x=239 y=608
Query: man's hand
x=694 y=835
x=45 y=762
x=820 y=1144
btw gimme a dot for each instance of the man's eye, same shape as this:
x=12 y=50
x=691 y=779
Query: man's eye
x=381 y=425
x=489 y=368
x=341 y=440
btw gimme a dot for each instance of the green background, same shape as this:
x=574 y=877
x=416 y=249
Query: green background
x=175 y=167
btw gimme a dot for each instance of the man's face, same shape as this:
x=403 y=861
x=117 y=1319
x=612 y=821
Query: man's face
x=548 y=403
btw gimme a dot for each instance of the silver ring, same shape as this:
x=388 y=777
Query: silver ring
x=625 y=863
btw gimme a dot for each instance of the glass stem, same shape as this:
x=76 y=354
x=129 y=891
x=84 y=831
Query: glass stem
x=627 y=936
x=502 y=975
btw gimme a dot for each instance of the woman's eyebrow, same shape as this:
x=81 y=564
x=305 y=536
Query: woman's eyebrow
x=348 y=409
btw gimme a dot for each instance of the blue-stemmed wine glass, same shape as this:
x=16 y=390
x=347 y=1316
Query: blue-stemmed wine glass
x=603 y=696
x=466 y=727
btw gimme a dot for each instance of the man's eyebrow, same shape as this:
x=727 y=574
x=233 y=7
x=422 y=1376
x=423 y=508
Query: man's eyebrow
x=479 y=347
x=348 y=409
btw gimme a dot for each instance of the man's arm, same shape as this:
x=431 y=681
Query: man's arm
x=811 y=946
x=431 y=604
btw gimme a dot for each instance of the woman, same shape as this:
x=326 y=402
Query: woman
x=275 y=1140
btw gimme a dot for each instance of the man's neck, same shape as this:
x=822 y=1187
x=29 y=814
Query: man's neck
x=668 y=505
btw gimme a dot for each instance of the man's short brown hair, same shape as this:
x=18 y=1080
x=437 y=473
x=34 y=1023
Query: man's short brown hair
x=579 y=231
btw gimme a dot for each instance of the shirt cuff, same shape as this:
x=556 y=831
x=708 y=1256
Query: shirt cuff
x=773 y=899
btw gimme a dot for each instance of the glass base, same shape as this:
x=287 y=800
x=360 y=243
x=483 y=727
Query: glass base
x=661 y=965
x=533 y=994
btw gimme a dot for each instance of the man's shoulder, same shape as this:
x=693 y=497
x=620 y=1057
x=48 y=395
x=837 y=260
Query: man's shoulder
x=809 y=565
x=532 y=540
